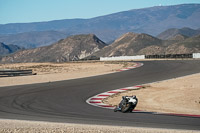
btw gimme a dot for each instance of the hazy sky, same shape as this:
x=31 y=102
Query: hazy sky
x=12 y=11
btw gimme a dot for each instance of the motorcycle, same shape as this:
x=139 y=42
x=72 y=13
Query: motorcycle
x=127 y=104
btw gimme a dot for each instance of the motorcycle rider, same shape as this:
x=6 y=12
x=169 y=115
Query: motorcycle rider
x=124 y=100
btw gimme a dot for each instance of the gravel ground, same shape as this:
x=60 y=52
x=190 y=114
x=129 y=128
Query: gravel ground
x=50 y=72
x=19 y=126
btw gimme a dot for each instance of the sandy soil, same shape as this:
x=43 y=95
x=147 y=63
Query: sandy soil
x=181 y=95
x=19 y=126
x=49 y=72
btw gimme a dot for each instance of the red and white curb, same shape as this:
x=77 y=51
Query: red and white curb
x=132 y=67
x=97 y=99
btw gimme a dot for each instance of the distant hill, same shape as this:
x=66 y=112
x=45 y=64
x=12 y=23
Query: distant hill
x=72 y=48
x=143 y=44
x=183 y=31
x=178 y=37
x=193 y=43
x=8 y=49
x=128 y=44
x=190 y=45
x=151 y=21
x=33 y=39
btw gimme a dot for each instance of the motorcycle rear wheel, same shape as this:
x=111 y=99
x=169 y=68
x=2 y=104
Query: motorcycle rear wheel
x=126 y=107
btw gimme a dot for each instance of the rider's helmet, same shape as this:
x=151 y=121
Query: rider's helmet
x=134 y=97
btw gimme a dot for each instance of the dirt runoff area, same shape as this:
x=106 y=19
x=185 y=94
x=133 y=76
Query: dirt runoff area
x=50 y=72
x=180 y=95
x=20 y=126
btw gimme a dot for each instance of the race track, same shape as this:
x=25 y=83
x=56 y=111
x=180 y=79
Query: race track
x=64 y=101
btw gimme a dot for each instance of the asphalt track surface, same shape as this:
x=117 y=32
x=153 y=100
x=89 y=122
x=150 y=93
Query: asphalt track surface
x=64 y=101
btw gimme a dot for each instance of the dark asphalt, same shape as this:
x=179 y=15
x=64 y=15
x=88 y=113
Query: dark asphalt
x=64 y=101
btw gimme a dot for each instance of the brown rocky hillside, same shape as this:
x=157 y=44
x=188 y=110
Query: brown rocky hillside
x=190 y=45
x=178 y=37
x=143 y=44
x=72 y=48
x=170 y=33
x=129 y=44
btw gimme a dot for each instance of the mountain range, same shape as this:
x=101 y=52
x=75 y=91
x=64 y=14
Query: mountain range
x=151 y=21
x=72 y=48
x=131 y=44
x=88 y=45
